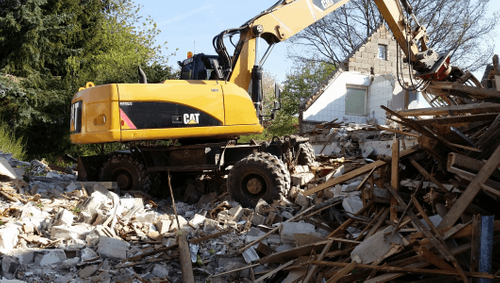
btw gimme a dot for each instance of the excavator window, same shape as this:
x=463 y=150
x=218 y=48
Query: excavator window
x=200 y=67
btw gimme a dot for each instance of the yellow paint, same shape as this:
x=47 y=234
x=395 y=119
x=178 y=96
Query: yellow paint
x=225 y=101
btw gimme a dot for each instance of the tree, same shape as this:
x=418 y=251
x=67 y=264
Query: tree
x=298 y=86
x=458 y=26
x=56 y=46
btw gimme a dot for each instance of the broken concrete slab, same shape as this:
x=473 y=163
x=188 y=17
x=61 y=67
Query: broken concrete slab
x=8 y=238
x=164 y=226
x=64 y=218
x=301 y=179
x=112 y=248
x=288 y=229
x=378 y=247
x=352 y=204
x=6 y=169
x=197 y=221
x=161 y=270
x=235 y=213
x=51 y=257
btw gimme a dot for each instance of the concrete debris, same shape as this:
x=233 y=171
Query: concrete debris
x=352 y=214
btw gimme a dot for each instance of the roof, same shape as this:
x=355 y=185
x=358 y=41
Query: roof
x=304 y=105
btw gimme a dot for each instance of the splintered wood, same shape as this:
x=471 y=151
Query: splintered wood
x=421 y=212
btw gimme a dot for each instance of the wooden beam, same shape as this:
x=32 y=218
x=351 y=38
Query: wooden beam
x=272 y=272
x=440 y=238
x=475 y=92
x=343 y=272
x=457 y=119
x=396 y=131
x=407 y=269
x=394 y=177
x=380 y=220
x=312 y=271
x=350 y=221
x=471 y=191
x=432 y=258
x=346 y=177
x=362 y=184
x=473 y=108
x=355 y=173
x=428 y=176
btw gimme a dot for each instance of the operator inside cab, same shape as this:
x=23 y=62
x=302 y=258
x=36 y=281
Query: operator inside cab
x=200 y=67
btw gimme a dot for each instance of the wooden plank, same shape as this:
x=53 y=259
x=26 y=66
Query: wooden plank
x=313 y=269
x=185 y=258
x=407 y=269
x=471 y=191
x=432 y=258
x=346 y=177
x=362 y=184
x=272 y=272
x=456 y=119
x=460 y=161
x=355 y=173
x=467 y=231
x=377 y=219
x=380 y=220
x=475 y=92
x=350 y=221
x=428 y=176
x=435 y=242
x=343 y=272
x=396 y=131
x=474 y=108
x=394 y=177
x=475 y=243
x=236 y=270
x=490 y=190
x=440 y=238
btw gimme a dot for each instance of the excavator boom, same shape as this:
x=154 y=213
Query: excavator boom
x=288 y=17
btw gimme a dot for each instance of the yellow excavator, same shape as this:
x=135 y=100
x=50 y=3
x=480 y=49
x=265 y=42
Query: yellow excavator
x=210 y=107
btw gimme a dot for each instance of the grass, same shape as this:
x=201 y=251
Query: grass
x=10 y=144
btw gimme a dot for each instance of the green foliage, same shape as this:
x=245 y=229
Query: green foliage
x=298 y=86
x=10 y=144
x=54 y=47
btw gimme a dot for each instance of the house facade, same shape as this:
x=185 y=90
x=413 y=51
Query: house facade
x=365 y=80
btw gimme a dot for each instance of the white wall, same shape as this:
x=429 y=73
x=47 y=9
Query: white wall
x=331 y=104
x=384 y=90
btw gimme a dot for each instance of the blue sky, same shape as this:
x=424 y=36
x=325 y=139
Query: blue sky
x=191 y=26
x=186 y=24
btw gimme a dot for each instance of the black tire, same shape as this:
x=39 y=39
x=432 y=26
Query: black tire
x=307 y=156
x=128 y=172
x=259 y=175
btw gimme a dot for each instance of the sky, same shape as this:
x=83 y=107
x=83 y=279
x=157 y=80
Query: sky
x=191 y=26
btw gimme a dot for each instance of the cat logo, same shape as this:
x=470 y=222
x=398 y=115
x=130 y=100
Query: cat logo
x=191 y=119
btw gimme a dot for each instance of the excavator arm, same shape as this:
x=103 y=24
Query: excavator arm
x=288 y=17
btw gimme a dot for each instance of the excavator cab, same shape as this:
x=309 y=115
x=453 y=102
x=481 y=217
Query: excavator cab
x=201 y=67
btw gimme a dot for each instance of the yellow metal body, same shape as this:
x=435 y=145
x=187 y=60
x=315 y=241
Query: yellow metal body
x=101 y=121
x=101 y=115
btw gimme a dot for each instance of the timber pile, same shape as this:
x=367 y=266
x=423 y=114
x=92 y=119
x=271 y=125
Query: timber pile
x=425 y=213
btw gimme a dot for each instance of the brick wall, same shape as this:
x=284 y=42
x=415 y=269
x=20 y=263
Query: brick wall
x=366 y=57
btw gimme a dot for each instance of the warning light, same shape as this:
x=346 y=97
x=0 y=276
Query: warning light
x=190 y=54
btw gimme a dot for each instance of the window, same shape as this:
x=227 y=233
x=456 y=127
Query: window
x=382 y=52
x=355 y=101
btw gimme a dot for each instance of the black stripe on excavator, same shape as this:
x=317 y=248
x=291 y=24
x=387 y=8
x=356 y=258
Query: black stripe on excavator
x=156 y=115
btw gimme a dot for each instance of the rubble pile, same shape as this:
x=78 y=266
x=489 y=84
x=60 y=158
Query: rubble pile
x=421 y=213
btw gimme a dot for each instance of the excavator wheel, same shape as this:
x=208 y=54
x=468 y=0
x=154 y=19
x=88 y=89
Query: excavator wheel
x=259 y=175
x=307 y=156
x=128 y=172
